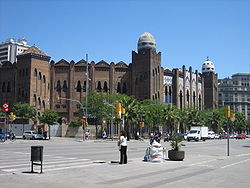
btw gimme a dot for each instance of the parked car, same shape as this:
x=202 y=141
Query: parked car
x=240 y=136
x=32 y=135
x=216 y=136
x=211 y=135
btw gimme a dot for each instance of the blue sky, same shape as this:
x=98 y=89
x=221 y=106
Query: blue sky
x=186 y=31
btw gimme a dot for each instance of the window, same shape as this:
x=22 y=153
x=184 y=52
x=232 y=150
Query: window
x=78 y=87
x=99 y=86
x=40 y=76
x=105 y=87
x=44 y=79
x=58 y=86
x=65 y=87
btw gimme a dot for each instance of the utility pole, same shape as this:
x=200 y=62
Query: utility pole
x=86 y=94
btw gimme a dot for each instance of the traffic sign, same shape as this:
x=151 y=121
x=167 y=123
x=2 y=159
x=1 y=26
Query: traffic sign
x=5 y=107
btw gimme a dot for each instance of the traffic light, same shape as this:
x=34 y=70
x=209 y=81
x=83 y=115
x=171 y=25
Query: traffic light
x=228 y=111
x=84 y=123
x=141 y=123
x=232 y=116
x=123 y=111
x=12 y=116
x=118 y=110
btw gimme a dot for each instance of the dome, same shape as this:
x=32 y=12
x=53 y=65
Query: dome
x=146 y=41
x=208 y=66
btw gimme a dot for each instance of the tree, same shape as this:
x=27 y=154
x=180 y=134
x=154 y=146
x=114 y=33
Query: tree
x=154 y=114
x=25 y=111
x=240 y=123
x=172 y=117
x=49 y=117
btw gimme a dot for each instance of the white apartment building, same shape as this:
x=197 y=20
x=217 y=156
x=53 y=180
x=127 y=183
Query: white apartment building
x=11 y=48
x=235 y=92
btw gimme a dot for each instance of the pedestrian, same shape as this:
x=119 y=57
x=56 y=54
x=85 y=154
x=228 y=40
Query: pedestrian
x=122 y=142
x=104 y=134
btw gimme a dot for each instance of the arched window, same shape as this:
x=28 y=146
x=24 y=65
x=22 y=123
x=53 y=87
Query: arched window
x=43 y=104
x=84 y=86
x=65 y=87
x=158 y=93
x=40 y=76
x=181 y=99
x=199 y=102
x=8 y=87
x=99 y=86
x=155 y=71
x=35 y=72
x=118 y=87
x=39 y=101
x=124 y=88
x=155 y=96
x=3 y=87
x=158 y=70
x=58 y=86
x=188 y=96
x=78 y=87
x=35 y=98
x=194 y=98
x=44 y=79
x=105 y=87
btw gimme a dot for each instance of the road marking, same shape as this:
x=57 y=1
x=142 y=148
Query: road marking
x=242 y=155
x=51 y=167
x=45 y=163
x=203 y=162
x=77 y=166
x=235 y=163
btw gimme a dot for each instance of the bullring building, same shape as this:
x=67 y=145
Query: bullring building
x=36 y=79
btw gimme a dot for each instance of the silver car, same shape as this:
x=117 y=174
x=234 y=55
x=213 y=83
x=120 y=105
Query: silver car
x=32 y=135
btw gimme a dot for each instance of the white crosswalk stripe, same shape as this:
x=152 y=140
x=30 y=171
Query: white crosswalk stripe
x=52 y=163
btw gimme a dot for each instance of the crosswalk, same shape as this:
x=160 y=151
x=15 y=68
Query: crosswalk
x=51 y=163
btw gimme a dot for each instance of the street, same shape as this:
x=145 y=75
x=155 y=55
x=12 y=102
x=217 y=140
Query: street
x=70 y=162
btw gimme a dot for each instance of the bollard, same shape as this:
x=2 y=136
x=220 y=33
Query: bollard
x=37 y=156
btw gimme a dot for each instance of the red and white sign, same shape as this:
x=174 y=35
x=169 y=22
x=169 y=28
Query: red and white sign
x=6 y=107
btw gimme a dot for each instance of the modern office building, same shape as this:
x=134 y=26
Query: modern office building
x=36 y=80
x=235 y=92
x=11 y=48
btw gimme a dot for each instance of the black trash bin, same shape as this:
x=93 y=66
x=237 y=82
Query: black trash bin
x=36 y=156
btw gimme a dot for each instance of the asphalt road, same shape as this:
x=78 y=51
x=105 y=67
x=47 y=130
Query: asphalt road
x=71 y=162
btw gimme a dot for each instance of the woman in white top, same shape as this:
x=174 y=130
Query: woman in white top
x=123 y=148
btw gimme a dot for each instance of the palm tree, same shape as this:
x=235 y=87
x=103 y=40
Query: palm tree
x=172 y=116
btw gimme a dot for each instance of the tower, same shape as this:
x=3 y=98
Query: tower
x=210 y=79
x=147 y=74
x=33 y=83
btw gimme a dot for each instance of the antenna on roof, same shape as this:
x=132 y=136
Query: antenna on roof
x=207 y=58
